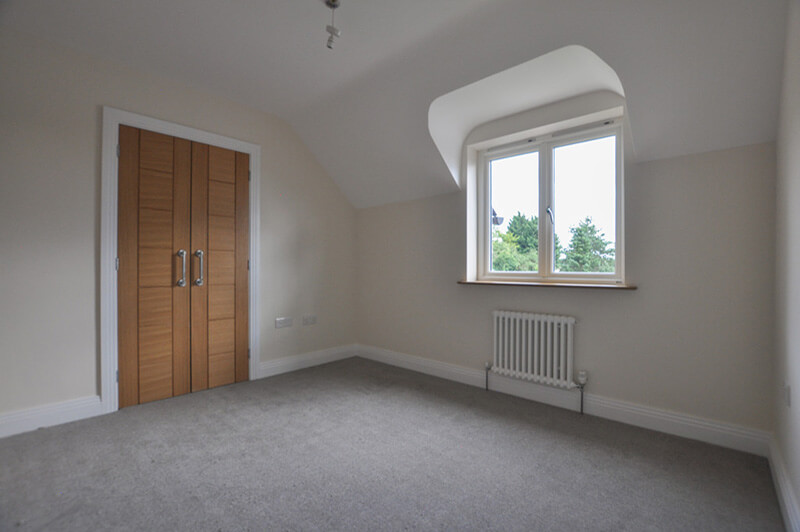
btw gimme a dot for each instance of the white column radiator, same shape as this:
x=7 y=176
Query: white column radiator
x=534 y=347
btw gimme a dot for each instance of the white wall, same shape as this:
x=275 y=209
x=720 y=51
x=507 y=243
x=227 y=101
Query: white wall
x=50 y=112
x=788 y=256
x=696 y=337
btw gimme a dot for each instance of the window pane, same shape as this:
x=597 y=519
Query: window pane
x=515 y=213
x=584 y=181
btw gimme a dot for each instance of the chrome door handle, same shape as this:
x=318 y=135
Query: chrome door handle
x=182 y=255
x=199 y=281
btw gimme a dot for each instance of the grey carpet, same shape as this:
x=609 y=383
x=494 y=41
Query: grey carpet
x=357 y=445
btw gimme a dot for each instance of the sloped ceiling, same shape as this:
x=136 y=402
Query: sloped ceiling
x=699 y=75
x=555 y=76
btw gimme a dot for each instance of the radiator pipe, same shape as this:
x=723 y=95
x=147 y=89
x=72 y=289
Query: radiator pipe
x=583 y=379
x=488 y=367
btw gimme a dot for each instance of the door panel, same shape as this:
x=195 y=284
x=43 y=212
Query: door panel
x=155 y=228
x=222 y=164
x=181 y=340
x=155 y=267
x=128 y=274
x=222 y=233
x=153 y=357
x=221 y=245
x=221 y=199
x=222 y=302
x=155 y=343
x=174 y=196
x=156 y=152
x=155 y=190
x=221 y=369
x=242 y=258
x=220 y=336
x=199 y=294
x=222 y=269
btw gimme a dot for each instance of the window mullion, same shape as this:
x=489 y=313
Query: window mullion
x=545 y=229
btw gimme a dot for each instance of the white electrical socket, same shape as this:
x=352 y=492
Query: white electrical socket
x=283 y=322
x=310 y=319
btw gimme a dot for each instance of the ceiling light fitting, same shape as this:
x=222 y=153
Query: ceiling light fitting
x=332 y=30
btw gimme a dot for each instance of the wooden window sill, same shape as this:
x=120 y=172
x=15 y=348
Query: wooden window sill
x=615 y=286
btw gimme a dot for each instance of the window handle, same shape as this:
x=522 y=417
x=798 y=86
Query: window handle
x=552 y=216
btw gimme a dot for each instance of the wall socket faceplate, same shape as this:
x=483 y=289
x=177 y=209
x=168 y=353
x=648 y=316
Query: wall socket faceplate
x=310 y=319
x=283 y=322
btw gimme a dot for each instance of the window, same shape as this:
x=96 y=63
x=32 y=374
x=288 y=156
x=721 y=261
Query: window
x=550 y=209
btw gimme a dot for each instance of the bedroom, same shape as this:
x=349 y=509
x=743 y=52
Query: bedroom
x=363 y=226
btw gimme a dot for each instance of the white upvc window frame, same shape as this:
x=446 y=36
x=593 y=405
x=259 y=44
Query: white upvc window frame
x=545 y=145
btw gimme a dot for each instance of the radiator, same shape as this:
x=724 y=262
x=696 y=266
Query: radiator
x=534 y=347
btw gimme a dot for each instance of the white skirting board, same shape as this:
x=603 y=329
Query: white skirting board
x=723 y=434
x=305 y=360
x=49 y=415
x=451 y=372
x=787 y=498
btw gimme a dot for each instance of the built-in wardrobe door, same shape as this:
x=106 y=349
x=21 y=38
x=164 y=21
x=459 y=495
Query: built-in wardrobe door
x=153 y=243
x=220 y=258
x=183 y=247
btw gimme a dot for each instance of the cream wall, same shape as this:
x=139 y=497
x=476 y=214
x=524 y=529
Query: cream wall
x=788 y=246
x=696 y=337
x=50 y=125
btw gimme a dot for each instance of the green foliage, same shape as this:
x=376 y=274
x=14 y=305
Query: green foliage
x=507 y=257
x=526 y=230
x=518 y=249
x=588 y=251
x=559 y=252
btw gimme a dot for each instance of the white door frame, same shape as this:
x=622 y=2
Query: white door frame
x=112 y=119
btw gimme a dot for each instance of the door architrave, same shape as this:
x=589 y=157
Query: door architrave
x=112 y=119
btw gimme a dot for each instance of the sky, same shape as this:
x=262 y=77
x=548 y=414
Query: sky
x=584 y=185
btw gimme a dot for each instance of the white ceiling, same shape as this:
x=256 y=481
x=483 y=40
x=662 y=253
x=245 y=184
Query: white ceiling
x=698 y=74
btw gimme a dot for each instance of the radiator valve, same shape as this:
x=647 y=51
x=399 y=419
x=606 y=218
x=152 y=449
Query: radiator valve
x=583 y=378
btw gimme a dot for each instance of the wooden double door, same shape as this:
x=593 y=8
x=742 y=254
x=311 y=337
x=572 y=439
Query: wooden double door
x=183 y=248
